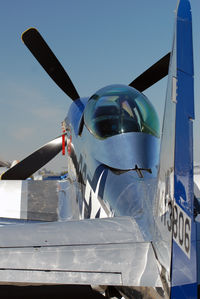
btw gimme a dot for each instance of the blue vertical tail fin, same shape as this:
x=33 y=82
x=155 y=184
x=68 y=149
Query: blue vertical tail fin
x=184 y=261
x=176 y=229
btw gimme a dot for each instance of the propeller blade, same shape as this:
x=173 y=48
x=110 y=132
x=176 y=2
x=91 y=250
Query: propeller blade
x=35 y=161
x=155 y=73
x=39 y=48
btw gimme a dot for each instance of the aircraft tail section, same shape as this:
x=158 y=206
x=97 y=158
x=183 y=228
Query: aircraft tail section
x=184 y=262
x=175 y=243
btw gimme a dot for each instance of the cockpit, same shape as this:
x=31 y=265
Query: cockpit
x=118 y=109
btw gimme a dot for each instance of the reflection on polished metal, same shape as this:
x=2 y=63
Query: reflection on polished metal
x=165 y=189
x=105 y=241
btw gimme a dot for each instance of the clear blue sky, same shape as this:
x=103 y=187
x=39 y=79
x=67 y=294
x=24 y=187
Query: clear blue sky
x=98 y=43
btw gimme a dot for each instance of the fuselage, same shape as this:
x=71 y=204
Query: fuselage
x=113 y=167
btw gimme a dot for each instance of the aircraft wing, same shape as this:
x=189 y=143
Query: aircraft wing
x=108 y=251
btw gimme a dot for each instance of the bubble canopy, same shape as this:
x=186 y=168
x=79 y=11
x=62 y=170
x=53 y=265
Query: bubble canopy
x=118 y=109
